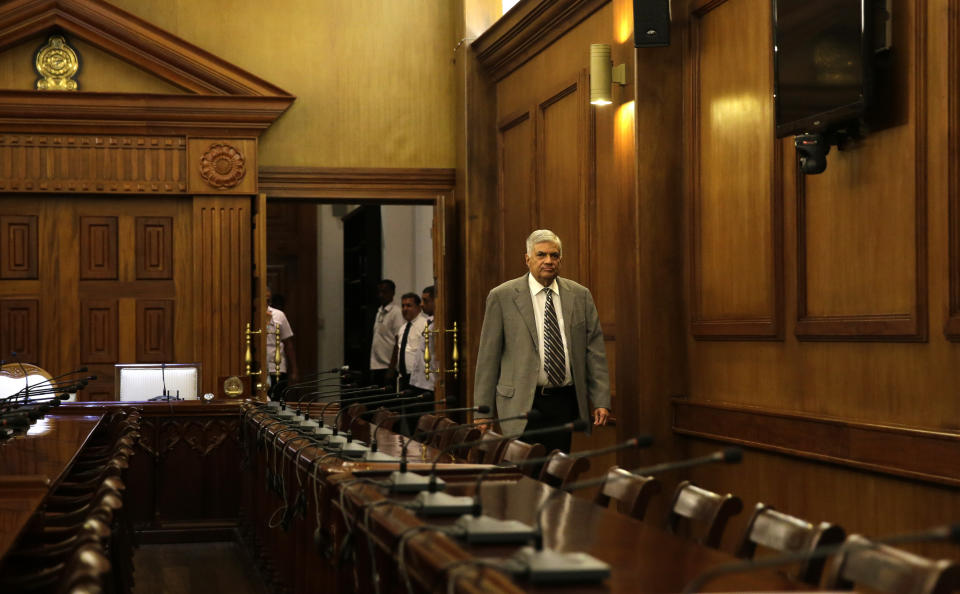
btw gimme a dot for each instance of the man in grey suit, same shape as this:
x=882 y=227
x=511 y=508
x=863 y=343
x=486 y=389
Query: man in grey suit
x=541 y=347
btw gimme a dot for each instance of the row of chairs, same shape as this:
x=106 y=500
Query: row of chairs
x=82 y=539
x=703 y=516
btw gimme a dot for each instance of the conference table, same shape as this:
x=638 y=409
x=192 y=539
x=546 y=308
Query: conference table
x=315 y=522
x=357 y=518
x=32 y=464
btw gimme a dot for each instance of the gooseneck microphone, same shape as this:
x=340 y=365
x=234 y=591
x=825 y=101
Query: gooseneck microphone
x=409 y=482
x=394 y=398
x=437 y=503
x=548 y=565
x=354 y=449
x=949 y=532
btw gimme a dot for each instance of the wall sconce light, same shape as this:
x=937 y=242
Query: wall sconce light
x=603 y=73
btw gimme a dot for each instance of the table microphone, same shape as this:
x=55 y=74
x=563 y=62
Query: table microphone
x=950 y=532
x=374 y=456
x=409 y=482
x=334 y=438
x=376 y=392
x=478 y=528
x=356 y=449
x=551 y=566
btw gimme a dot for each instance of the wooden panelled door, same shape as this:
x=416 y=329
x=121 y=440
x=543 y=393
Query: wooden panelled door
x=95 y=281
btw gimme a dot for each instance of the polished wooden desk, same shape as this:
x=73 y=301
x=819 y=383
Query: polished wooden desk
x=33 y=463
x=321 y=515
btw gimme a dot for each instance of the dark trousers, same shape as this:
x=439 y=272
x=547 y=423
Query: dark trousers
x=278 y=384
x=557 y=406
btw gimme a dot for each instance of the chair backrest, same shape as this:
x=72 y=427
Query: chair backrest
x=517 y=451
x=883 y=568
x=143 y=381
x=784 y=533
x=490 y=451
x=632 y=492
x=17 y=376
x=562 y=469
x=351 y=412
x=705 y=512
x=426 y=423
x=384 y=418
x=463 y=434
x=442 y=437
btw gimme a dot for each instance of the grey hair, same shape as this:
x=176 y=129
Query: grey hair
x=541 y=236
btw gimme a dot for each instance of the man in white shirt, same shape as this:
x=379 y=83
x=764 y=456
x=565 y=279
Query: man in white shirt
x=428 y=305
x=385 y=325
x=277 y=322
x=407 y=358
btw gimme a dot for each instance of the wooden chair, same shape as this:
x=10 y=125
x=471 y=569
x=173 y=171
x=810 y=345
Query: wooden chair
x=707 y=510
x=882 y=568
x=562 y=469
x=443 y=436
x=775 y=530
x=462 y=434
x=384 y=418
x=490 y=451
x=426 y=424
x=517 y=451
x=631 y=492
x=15 y=376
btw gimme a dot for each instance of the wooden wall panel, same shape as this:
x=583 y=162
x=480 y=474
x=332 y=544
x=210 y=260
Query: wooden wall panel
x=98 y=248
x=92 y=163
x=20 y=323
x=154 y=248
x=18 y=247
x=564 y=155
x=221 y=284
x=736 y=203
x=862 y=226
x=155 y=324
x=517 y=189
x=99 y=331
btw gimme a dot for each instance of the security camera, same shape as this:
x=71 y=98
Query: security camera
x=812 y=150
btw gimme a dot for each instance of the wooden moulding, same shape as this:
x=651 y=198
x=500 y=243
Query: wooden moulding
x=527 y=29
x=924 y=454
x=347 y=182
x=952 y=325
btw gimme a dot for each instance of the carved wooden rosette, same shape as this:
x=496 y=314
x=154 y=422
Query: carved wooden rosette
x=222 y=166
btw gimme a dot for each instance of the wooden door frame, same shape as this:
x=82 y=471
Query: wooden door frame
x=403 y=186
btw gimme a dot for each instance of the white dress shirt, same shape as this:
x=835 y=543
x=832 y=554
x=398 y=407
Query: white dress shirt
x=413 y=353
x=385 y=326
x=277 y=320
x=539 y=303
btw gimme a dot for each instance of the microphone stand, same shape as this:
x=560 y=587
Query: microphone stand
x=335 y=439
x=409 y=482
x=353 y=449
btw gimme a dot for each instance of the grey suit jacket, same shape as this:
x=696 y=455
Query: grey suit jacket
x=508 y=361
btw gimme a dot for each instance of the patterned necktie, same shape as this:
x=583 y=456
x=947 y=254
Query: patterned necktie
x=554 y=361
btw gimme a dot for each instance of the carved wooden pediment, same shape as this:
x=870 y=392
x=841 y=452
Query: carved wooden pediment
x=218 y=99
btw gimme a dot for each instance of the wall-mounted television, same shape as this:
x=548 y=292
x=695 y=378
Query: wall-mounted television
x=827 y=56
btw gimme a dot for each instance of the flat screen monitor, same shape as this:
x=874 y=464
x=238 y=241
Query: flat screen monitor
x=823 y=54
x=146 y=381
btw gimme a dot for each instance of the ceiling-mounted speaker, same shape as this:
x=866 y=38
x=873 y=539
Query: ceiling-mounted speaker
x=651 y=23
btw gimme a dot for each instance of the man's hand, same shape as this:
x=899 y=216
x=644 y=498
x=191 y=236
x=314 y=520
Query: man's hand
x=600 y=416
x=483 y=424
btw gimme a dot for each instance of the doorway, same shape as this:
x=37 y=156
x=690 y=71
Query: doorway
x=324 y=262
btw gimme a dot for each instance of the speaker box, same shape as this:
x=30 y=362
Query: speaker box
x=651 y=23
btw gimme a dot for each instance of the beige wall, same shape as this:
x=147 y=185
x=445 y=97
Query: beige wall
x=374 y=79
